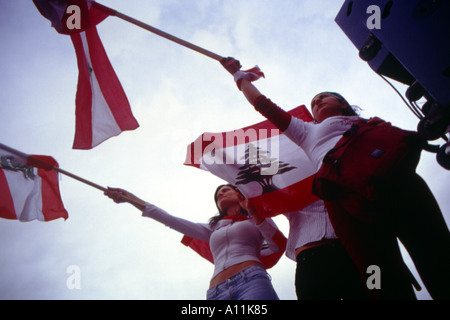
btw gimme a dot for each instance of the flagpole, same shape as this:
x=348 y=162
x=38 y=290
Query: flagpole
x=157 y=31
x=39 y=162
x=73 y=176
x=92 y=184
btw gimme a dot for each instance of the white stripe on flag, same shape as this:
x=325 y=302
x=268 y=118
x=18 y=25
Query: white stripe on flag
x=26 y=194
x=104 y=124
x=226 y=163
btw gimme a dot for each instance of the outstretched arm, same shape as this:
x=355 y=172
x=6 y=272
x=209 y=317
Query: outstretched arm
x=194 y=230
x=121 y=196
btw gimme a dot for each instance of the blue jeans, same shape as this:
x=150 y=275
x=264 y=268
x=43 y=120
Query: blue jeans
x=252 y=283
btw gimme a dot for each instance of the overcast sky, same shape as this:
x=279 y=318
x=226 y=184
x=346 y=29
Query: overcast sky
x=176 y=95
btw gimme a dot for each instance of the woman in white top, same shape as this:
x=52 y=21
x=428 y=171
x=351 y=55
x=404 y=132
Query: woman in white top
x=235 y=239
x=412 y=213
x=324 y=269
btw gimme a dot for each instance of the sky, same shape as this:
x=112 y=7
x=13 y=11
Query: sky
x=175 y=94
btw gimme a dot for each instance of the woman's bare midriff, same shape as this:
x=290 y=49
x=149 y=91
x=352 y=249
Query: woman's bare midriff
x=231 y=271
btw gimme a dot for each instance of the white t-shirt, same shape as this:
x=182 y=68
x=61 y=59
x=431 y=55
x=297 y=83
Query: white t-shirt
x=312 y=222
x=308 y=225
x=316 y=139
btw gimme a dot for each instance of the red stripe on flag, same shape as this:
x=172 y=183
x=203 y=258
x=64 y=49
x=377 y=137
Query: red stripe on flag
x=52 y=206
x=39 y=161
x=7 y=210
x=285 y=200
x=109 y=83
x=83 y=100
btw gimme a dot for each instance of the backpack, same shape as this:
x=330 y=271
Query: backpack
x=359 y=169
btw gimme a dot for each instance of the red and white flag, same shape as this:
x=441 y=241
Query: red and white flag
x=29 y=193
x=268 y=168
x=102 y=107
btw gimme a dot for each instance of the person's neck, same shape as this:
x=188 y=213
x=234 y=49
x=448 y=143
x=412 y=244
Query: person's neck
x=234 y=210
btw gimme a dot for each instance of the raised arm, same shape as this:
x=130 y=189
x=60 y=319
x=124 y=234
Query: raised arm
x=233 y=66
x=267 y=108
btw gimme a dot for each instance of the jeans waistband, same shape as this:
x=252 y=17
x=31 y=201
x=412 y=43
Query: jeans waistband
x=241 y=275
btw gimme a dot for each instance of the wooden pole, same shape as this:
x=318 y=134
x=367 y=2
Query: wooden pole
x=73 y=176
x=157 y=31
x=39 y=163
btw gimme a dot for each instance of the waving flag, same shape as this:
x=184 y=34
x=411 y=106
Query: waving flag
x=28 y=193
x=269 y=169
x=102 y=107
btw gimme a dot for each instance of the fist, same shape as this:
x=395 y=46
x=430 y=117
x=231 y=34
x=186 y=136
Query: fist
x=231 y=65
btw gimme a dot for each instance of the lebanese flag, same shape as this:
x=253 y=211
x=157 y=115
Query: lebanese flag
x=102 y=107
x=29 y=193
x=270 y=170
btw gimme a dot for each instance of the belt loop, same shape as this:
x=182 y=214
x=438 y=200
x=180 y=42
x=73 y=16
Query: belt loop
x=244 y=274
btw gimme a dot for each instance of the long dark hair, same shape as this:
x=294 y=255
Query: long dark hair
x=213 y=221
x=350 y=110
